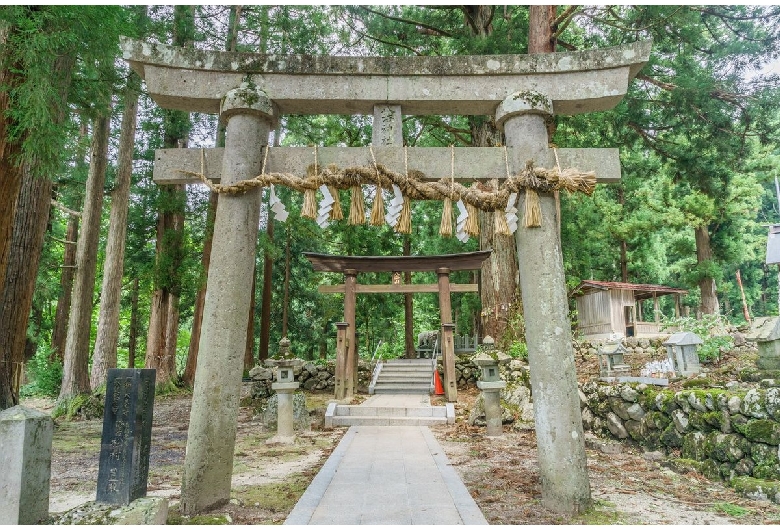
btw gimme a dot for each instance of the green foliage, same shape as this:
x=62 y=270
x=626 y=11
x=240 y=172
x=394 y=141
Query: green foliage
x=518 y=350
x=710 y=328
x=731 y=509
x=45 y=375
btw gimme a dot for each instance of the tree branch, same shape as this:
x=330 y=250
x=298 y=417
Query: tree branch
x=563 y=21
x=436 y=31
x=65 y=209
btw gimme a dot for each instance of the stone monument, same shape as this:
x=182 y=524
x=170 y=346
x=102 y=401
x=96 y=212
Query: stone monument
x=25 y=461
x=765 y=332
x=127 y=434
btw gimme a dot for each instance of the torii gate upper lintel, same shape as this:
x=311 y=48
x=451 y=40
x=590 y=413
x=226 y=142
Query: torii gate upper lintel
x=519 y=91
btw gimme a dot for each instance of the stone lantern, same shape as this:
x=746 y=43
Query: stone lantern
x=285 y=386
x=611 y=361
x=489 y=359
x=682 y=350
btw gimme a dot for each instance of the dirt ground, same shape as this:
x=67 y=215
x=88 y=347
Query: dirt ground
x=627 y=485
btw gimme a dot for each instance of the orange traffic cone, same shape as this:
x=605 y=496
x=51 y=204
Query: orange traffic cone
x=438 y=388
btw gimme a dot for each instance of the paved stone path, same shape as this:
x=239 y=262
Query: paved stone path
x=387 y=475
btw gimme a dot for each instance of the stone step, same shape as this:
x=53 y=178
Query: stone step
x=385 y=421
x=367 y=410
x=402 y=389
x=418 y=378
x=396 y=371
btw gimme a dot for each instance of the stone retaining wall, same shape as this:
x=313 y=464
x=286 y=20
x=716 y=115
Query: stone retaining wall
x=723 y=434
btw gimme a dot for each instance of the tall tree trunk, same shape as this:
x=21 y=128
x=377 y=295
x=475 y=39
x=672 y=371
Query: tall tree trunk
x=286 y=301
x=197 y=318
x=132 y=340
x=30 y=222
x=66 y=288
x=498 y=283
x=410 y=347
x=623 y=243
x=75 y=379
x=709 y=297
x=104 y=355
x=265 y=303
x=164 y=316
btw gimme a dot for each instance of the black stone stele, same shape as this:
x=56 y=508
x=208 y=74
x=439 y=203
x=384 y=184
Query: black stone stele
x=127 y=435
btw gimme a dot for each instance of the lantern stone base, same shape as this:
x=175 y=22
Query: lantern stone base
x=285 y=430
x=491 y=392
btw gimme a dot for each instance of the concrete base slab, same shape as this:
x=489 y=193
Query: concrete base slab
x=387 y=475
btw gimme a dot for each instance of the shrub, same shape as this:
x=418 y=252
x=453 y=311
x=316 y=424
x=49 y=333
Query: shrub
x=45 y=375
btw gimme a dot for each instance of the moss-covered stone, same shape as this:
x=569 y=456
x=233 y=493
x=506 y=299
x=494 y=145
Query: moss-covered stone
x=710 y=469
x=738 y=423
x=619 y=407
x=744 y=467
x=767 y=472
x=81 y=406
x=764 y=431
x=651 y=440
x=693 y=446
x=697 y=383
x=763 y=454
x=665 y=402
x=754 y=404
x=726 y=471
x=698 y=421
x=647 y=398
x=670 y=437
x=656 y=420
x=726 y=447
x=755 y=488
x=634 y=429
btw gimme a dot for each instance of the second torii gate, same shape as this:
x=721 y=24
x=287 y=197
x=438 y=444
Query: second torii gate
x=250 y=92
x=351 y=266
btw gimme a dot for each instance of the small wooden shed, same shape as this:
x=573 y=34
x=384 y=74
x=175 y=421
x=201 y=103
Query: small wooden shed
x=604 y=308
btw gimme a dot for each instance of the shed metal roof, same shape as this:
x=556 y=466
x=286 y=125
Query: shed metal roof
x=642 y=291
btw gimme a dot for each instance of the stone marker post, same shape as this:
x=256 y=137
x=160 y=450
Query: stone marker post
x=208 y=464
x=127 y=436
x=25 y=465
x=560 y=442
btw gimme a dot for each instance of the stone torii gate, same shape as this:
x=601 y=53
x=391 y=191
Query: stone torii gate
x=250 y=92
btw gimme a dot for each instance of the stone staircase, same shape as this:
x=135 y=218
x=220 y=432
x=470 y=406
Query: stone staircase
x=390 y=410
x=404 y=376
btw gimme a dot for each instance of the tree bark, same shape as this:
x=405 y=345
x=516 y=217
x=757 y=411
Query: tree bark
x=197 y=318
x=709 y=297
x=104 y=355
x=32 y=214
x=132 y=339
x=66 y=289
x=164 y=318
x=286 y=302
x=265 y=307
x=410 y=347
x=75 y=378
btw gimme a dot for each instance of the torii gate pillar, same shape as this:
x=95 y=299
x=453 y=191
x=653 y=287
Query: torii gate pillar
x=560 y=441
x=208 y=464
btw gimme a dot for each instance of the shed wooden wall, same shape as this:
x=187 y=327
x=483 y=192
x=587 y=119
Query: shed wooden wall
x=594 y=313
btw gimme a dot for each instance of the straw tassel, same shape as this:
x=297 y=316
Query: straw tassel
x=500 y=226
x=309 y=210
x=378 y=209
x=336 y=214
x=472 y=223
x=445 y=229
x=357 y=211
x=532 y=216
x=404 y=225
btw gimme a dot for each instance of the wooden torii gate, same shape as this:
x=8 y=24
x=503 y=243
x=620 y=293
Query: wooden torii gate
x=251 y=91
x=351 y=266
